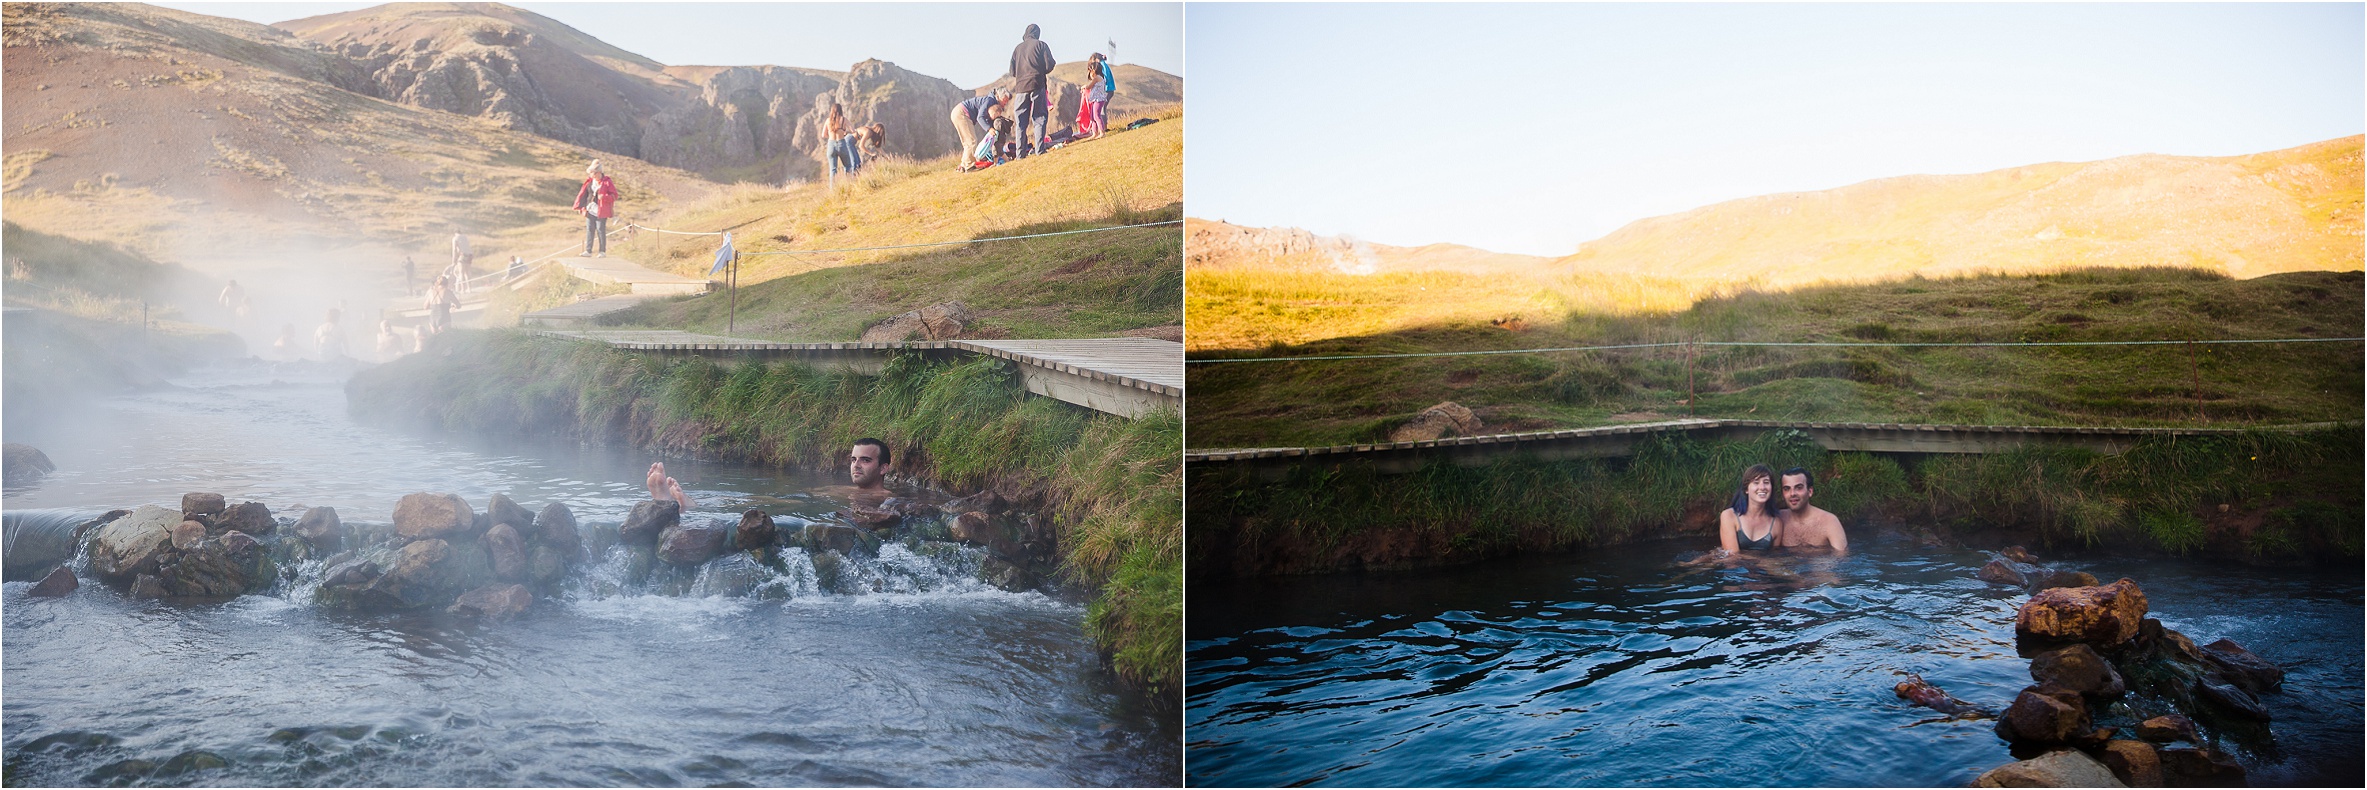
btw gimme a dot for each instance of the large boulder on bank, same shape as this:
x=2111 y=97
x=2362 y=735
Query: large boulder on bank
x=942 y=321
x=432 y=516
x=321 y=529
x=2064 y=768
x=493 y=601
x=57 y=584
x=501 y=510
x=2103 y=616
x=2134 y=763
x=2043 y=714
x=688 y=545
x=129 y=546
x=649 y=518
x=2249 y=672
x=556 y=528
x=508 y=552
x=2200 y=768
x=756 y=531
x=2078 y=668
x=1437 y=422
x=248 y=517
x=202 y=503
x=23 y=463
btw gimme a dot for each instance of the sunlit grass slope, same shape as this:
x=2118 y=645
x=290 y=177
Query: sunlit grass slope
x=1336 y=402
x=1067 y=286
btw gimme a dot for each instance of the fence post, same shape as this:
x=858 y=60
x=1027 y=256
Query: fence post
x=2196 y=366
x=1690 y=397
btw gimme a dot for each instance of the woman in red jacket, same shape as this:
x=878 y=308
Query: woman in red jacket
x=597 y=200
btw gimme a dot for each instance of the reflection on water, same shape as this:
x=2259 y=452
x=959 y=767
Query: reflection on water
x=1622 y=668
x=934 y=678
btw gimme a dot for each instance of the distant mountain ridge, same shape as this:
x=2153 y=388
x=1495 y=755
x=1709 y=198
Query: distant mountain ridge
x=2290 y=210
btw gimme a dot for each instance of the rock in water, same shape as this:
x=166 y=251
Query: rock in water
x=321 y=528
x=351 y=573
x=2134 y=763
x=147 y=586
x=223 y=567
x=545 y=566
x=2200 y=768
x=413 y=581
x=870 y=518
x=2164 y=729
x=975 y=529
x=689 y=545
x=187 y=534
x=2064 y=768
x=839 y=538
x=503 y=511
x=756 y=531
x=2226 y=695
x=2005 y=572
x=2019 y=554
x=2078 y=668
x=508 y=552
x=132 y=545
x=1438 y=422
x=2042 y=714
x=494 y=601
x=248 y=517
x=556 y=528
x=423 y=516
x=202 y=504
x=57 y=584
x=648 y=518
x=23 y=463
x=987 y=502
x=2102 y=616
x=2250 y=672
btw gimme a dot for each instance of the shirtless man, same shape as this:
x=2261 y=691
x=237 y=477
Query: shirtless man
x=1806 y=525
x=867 y=465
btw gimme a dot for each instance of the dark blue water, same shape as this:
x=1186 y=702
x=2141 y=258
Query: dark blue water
x=1620 y=668
x=912 y=671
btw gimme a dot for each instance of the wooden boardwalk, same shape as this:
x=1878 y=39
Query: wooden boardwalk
x=1125 y=376
x=1615 y=441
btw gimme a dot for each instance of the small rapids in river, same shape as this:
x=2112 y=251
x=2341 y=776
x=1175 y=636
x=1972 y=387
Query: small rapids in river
x=1617 y=667
x=898 y=665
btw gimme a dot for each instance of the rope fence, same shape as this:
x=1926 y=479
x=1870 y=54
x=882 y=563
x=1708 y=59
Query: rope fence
x=965 y=241
x=1779 y=344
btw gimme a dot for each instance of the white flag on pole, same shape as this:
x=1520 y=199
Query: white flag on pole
x=722 y=255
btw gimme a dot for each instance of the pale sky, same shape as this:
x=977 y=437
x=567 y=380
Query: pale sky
x=966 y=43
x=1534 y=128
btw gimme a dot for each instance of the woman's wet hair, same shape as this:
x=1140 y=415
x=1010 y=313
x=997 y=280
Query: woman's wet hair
x=1742 y=496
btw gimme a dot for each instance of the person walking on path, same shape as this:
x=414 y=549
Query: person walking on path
x=461 y=256
x=409 y=273
x=597 y=200
x=1100 y=84
x=1031 y=63
x=974 y=117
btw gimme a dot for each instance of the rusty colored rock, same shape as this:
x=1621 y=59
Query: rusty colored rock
x=2165 y=729
x=2063 y=768
x=508 y=552
x=493 y=601
x=424 y=516
x=202 y=504
x=649 y=518
x=2043 y=714
x=248 y=517
x=688 y=545
x=756 y=531
x=2200 y=768
x=2134 y=763
x=2103 y=616
x=321 y=528
x=187 y=534
x=2079 y=669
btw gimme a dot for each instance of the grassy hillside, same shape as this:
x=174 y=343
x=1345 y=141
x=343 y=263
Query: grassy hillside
x=207 y=140
x=1070 y=286
x=1335 y=402
x=2290 y=210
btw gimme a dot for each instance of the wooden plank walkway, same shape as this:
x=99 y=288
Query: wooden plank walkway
x=1125 y=376
x=1614 y=441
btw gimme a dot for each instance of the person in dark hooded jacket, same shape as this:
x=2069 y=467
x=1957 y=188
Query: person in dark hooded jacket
x=1031 y=62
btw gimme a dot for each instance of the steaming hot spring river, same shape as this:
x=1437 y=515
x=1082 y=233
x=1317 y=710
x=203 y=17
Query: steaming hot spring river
x=1615 y=667
x=908 y=671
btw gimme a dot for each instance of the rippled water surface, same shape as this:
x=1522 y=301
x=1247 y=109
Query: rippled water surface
x=932 y=679
x=1621 y=668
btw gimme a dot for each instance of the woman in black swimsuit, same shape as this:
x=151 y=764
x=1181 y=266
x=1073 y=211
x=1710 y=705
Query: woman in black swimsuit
x=1749 y=523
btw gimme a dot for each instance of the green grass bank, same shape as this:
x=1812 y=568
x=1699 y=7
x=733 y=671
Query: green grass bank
x=1112 y=487
x=1272 y=404
x=2263 y=496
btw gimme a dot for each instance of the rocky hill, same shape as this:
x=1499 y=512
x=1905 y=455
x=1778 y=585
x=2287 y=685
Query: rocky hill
x=1216 y=245
x=189 y=137
x=2291 y=210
